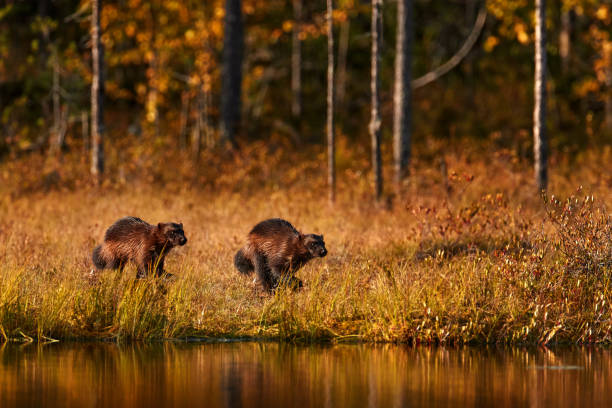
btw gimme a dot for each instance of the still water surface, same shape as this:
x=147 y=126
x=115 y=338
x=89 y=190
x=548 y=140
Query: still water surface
x=274 y=375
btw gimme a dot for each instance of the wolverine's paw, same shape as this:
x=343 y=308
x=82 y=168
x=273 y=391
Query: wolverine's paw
x=168 y=277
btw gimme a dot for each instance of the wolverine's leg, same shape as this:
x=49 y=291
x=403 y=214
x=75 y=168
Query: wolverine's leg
x=143 y=265
x=261 y=271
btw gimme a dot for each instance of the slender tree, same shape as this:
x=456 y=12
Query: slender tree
x=233 y=44
x=296 y=60
x=374 y=86
x=97 y=120
x=402 y=104
x=331 y=139
x=540 y=144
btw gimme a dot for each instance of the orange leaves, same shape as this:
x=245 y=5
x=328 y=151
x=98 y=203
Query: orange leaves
x=603 y=13
x=490 y=43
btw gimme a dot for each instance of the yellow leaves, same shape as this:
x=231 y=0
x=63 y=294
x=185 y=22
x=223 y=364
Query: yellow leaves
x=521 y=33
x=217 y=28
x=339 y=15
x=490 y=43
x=189 y=35
x=287 y=26
x=603 y=12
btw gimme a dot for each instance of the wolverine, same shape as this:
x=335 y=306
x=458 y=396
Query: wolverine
x=275 y=251
x=132 y=239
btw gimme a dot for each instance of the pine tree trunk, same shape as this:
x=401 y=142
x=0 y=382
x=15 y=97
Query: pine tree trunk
x=233 y=43
x=374 y=86
x=296 y=61
x=402 y=97
x=97 y=125
x=331 y=139
x=539 y=111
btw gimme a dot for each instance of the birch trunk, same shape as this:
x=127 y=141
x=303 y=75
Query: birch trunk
x=374 y=86
x=540 y=144
x=97 y=125
x=331 y=139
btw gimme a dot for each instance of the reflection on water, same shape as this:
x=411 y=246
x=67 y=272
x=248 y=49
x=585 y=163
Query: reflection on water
x=270 y=374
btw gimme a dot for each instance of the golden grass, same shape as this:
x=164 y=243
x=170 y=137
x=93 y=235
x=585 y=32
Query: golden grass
x=476 y=260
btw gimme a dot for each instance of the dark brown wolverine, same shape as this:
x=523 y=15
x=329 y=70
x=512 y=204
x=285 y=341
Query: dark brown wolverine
x=132 y=239
x=275 y=250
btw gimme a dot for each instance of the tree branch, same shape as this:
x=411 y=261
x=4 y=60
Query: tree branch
x=460 y=55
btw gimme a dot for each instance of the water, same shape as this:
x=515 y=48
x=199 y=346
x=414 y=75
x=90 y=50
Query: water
x=272 y=375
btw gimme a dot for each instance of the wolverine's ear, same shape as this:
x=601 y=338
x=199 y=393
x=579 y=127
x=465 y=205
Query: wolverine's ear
x=181 y=224
x=160 y=226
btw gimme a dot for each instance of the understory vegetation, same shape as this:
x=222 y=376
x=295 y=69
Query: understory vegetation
x=469 y=253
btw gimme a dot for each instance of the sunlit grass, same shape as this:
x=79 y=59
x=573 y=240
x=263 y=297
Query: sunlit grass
x=485 y=259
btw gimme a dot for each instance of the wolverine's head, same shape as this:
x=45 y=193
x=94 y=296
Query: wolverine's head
x=315 y=245
x=173 y=232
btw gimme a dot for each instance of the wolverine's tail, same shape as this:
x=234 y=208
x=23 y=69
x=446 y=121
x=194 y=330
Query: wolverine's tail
x=242 y=263
x=97 y=258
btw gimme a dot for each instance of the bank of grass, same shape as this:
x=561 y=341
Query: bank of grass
x=470 y=256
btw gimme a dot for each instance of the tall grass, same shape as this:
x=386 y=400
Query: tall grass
x=469 y=256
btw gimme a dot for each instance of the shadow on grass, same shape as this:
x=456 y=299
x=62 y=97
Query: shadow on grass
x=448 y=249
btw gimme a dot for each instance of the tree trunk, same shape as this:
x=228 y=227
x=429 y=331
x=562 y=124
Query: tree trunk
x=97 y=124
x=540 y=144
x=565 y=39
x=345 y=29
x=402 y=97
x=296 y=61
x=233 y=43
x=331 y=139
x=374 y=86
